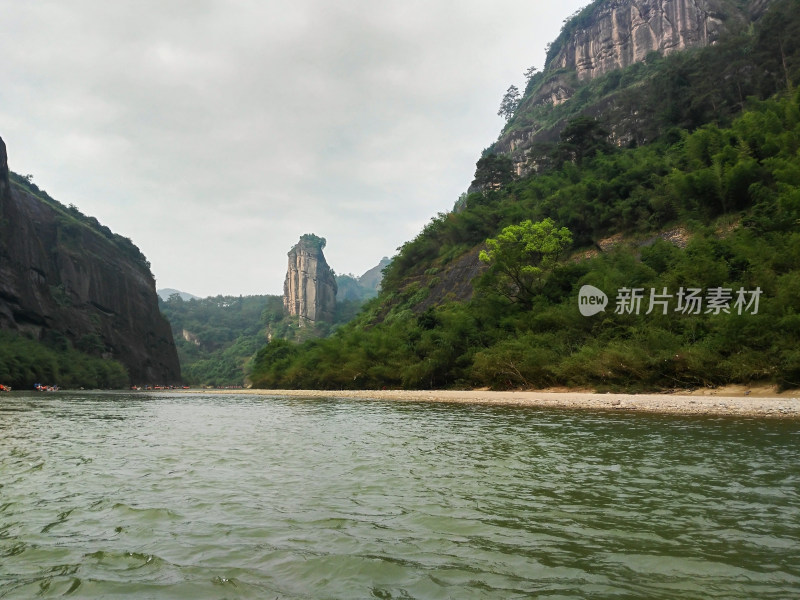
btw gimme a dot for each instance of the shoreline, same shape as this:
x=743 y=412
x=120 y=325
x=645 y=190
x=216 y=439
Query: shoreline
x=758 y=403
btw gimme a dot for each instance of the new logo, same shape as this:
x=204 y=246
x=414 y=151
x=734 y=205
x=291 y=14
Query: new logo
x=591 y=300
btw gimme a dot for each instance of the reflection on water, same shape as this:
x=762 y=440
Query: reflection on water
x=173 y=496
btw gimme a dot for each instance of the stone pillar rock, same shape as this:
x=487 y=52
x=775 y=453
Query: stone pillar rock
x=309 y=290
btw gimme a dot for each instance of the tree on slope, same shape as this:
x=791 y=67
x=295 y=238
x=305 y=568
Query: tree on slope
x=510 y=102
x=521 y=255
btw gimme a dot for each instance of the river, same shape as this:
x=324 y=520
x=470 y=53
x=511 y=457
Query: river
x=171 y=495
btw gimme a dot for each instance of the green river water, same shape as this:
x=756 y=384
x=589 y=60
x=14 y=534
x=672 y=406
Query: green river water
x=196 y=496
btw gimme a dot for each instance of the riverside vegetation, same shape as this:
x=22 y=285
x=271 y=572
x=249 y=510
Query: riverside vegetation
x=712 y=201
x=217 y=337
x=24 y=361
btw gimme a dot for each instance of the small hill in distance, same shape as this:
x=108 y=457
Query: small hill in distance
x=165 y=293
x=364 y=287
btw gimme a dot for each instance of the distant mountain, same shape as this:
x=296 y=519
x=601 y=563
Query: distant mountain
x=216 y=336
x=165 y=293
x=364 y=287
x=372 y=278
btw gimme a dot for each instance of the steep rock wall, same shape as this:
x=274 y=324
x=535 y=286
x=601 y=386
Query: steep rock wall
x=618 y=33
x=61 y=279
x=309 y=290
x=4 y=182
x=610 y=35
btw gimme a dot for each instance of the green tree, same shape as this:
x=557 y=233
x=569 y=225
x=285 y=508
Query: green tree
x=493 y=171
x=313 y=241
x=521 y=255
x=510 y=102
x=582 y=137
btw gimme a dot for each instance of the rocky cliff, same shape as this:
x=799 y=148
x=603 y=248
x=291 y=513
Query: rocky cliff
x=5 y=184
x=64 y=280
x=613 y=34
x=607 y=36
x=309 y=290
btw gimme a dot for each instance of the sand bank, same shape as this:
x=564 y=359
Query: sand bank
x=732 y=401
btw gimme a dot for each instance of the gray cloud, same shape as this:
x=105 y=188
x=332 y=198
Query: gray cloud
x=214 y=133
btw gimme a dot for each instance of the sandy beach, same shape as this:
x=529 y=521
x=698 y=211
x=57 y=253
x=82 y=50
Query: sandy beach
x=740 y=401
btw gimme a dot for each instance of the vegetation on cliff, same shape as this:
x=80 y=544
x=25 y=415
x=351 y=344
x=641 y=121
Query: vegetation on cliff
x=71 y=218
x=217 y=336
x=728 y=198
x=656 y=98
x=24 y=361
x=313 y=241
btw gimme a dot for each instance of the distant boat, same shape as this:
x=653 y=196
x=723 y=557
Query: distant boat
x=4 y=388
x=45 y=388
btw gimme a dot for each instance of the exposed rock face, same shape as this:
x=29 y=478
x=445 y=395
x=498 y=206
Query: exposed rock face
x=4 y=183
x=455 y=281
x=621 y=32
x=373 y=277
x=614 y=34
x=59 y=278
x=309 y=290
x=190 y=337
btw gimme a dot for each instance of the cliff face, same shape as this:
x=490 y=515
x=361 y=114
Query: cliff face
x=618 y=33
x=61 y=279
x=622 y=32
x=309 y=290
x=606 y=36
x=4 y=182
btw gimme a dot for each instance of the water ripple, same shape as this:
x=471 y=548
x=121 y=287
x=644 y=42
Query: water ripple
x=154 y=496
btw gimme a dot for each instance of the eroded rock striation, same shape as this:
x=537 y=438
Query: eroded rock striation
x=309 y=290
x=62 y=279
x=621 y=32
x=617 y=33
x=608 y=35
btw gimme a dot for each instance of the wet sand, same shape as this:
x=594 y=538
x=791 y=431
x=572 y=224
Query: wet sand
x=730 y=401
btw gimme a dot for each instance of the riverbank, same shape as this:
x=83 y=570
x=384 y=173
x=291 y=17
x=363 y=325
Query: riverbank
x=730 y=401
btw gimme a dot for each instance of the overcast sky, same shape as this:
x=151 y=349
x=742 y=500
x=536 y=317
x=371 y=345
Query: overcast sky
x=214 y=133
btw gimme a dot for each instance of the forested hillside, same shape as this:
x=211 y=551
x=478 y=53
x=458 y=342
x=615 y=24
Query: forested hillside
x=705 y=202
x=217 y=336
